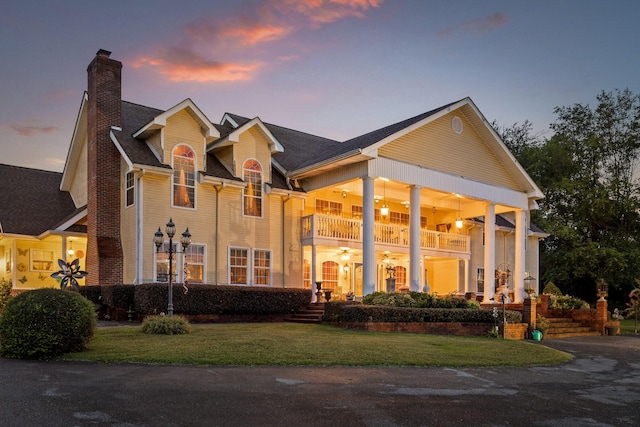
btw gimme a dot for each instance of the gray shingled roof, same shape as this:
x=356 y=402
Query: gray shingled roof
x=31 y=201
x=135 y=116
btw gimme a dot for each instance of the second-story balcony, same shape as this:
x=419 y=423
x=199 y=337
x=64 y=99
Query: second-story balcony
x=325 y=229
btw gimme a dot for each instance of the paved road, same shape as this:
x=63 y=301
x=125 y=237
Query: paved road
x=601 y=387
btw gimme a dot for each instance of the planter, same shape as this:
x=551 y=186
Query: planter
x=612 y=330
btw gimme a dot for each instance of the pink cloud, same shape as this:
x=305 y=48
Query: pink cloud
x=184 y=65
x=476 y=25
x=265 y=23
x=26 y=130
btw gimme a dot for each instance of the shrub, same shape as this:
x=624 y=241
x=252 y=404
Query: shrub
x=5 y=292
x=567 y=302
x=350 y=312
x=551 y=289
x=46 y=323
x=418 y=300
x=216 y=299
x=166 y=325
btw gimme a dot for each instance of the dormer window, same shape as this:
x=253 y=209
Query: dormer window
x=184 y=186
x=252 y=197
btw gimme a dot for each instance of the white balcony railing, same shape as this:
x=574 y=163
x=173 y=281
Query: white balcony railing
x=336 y=228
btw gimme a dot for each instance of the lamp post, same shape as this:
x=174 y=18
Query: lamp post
x=158 y=239
x=529 y=284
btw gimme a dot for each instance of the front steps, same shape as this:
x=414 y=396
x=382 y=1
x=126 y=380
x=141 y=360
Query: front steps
x=311 y=313
x=561 y=327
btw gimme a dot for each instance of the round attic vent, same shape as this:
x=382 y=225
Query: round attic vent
x=456 y=125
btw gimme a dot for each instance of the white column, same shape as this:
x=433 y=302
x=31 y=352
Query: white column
x=466 y=277
x=368 y=243
x=414 y=239
x=313 y=273
x=489 y=252
x=518 y=273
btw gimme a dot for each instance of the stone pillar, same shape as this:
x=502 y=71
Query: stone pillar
x=529 y=314
x=601 y=315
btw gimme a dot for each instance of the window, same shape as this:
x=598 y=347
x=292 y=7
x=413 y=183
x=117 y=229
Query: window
x=41 y=260
x=328 y=207
x=480 y=280
x=306 y=274
x=194 y=257
x=262 y=267
x=238 y=266
x=253 y=191
x=162 y=263
x=401 y=277
x=356 y=212
x=329 y=275
x=129 y=192
x=184 y=186
x=400 y=218
x=423 y=222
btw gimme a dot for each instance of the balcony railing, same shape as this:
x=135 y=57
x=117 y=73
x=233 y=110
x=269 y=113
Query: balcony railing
x=336 y=228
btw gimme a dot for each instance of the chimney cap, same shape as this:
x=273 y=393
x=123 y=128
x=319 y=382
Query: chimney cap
x=103 y=52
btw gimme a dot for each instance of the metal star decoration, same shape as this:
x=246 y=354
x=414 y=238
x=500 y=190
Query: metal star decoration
x=69 y=272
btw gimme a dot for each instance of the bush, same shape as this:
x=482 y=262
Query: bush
x=5 y=292
x=355 y=312
x=418 y=300
x=166 y=325
x=46 y=323
x=567 y=302
x=216 y=299
x=552 y=289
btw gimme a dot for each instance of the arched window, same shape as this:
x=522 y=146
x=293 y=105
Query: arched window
x=184 y=176
x=252 y=199
x=330 y=275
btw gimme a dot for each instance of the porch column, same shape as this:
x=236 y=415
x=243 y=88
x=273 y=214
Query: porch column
x=313 y=274
x=415 y=266
x=489 y=252
x=467 y=289
x=368 y=243
x=518 y=273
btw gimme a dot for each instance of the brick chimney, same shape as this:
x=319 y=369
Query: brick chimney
x=104 y=248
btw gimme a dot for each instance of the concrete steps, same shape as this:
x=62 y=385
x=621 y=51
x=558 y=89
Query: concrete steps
x=311 y=313
x=563 y=328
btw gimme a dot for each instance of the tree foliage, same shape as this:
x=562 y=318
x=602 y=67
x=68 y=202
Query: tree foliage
x=587 y=171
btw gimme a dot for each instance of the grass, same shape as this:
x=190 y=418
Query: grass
x=289 y=344
x=628 y=326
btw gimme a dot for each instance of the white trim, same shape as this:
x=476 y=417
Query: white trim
x=160 y=121
x=234 y=136
x=72 y=155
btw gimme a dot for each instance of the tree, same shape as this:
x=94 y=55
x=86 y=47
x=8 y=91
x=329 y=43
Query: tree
x=587 y=172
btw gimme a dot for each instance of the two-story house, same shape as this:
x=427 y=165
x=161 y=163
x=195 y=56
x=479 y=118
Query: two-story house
x=432 y=202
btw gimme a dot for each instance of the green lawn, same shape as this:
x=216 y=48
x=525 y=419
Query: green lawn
x=290 y=344
x=628 y=326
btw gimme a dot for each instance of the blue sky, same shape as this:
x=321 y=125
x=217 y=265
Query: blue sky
x=336 y=68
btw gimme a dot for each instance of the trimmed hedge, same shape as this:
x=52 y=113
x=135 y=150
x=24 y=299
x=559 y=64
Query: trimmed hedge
x=418 y=300
x=216 y=299
x=356 y=312
x=45 y=323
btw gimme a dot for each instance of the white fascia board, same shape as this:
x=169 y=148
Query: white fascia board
x=160 y=121
x=441 y=181
x=152 y=170
x=274 y=145
x=227 y=118
x=221 y=182
x=79 y=131
x=535 y=191
x=73 y=220
x=115 y=141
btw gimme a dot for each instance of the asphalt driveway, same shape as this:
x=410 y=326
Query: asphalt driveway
x=600 y=387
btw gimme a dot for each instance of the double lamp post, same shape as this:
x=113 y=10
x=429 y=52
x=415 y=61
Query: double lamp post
x=158 y=239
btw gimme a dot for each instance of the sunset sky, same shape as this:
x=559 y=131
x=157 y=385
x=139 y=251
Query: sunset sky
x=335 y=68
